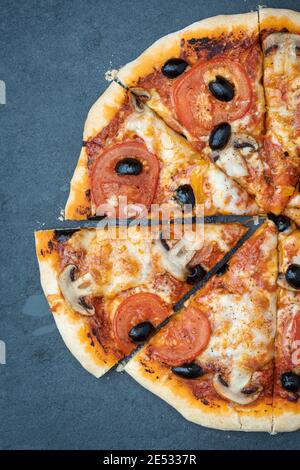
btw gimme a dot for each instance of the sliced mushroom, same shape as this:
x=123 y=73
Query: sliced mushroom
x=236 y=390
x=175 y=259
x=285 y=47
x=138 y=96
x=233 y=158
x=245 y=144
x=75 y=290
x=277 y=41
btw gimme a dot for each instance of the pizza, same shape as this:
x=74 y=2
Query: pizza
x=214 y=360
x=201 y=131
x=101 y=285
x=287 y=357
x=137 y=156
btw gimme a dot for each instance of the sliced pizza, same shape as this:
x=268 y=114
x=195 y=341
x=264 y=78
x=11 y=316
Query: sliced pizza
x=203 y=75
x=109 y=287
x=213 y=361
x=287 y=359
x=205 y=81
x=132 y=163
x=280 y=34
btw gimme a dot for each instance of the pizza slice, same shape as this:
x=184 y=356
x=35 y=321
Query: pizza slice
x=205 y=82
x=280 y=34
x=213 y=361
x=287 y=358
x=109 y=287
x=203 y=75
x=132 y=162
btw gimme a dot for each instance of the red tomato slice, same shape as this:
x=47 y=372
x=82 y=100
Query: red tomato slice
x=134 y=310
x=184 y=338
x=139 y=189
x=197 y=109
x=291 y=334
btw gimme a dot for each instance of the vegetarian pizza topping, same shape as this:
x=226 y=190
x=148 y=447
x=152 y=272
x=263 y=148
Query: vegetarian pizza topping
x=174 y=67
x=129 y=166
x=292 y=275
x=282 y=222
x=141 y=332
x=75 y=290
x=221 y=88
x=185 y=195
x=196 y=274
x=138 y=97
x=219 y=136
x=188 y=371
x=175 y=260
x=197 y=109
x=125 y=169
x=137 y=309
x=235 y=391
x=290 y=381
x=184 y=339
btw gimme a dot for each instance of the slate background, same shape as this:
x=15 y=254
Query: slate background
x=53 y=58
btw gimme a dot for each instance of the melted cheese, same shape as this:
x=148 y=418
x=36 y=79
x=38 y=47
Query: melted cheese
x=180 y=162
x=282 y=87
x=226 y=195
x=173 y=151
x=241 y=330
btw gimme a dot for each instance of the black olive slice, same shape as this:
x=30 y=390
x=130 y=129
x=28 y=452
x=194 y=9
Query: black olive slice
x=129 y=166
x=140 y=332
x=282 y=222
x=222 y=89
x=290 y=381
x=196 y=273
x=174 y=67
x=185 y=195
x=220 y=136
x=164 y=242
x=188 y=371
x=222 y=270
x=292 y=275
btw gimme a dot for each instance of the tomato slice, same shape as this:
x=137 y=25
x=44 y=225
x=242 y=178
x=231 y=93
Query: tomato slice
x=134 y=310
x=197 y=109
x=291 y=335
x=106 y=183
x=184 y=338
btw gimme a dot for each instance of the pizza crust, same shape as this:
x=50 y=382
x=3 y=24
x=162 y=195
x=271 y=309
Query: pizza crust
x=169 y=46
x=286 y=416
x=78 y=206
x=71 y=326
x=226 y=420
x=223 y=416
x=276 y=18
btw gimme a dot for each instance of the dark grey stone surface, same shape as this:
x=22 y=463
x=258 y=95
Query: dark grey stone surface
x=53 y=58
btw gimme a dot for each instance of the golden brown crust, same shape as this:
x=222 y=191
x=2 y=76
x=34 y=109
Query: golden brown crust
x=276 y=19
x=252 y=269
x=170 y=46
x=101 y=113
x=74 y=328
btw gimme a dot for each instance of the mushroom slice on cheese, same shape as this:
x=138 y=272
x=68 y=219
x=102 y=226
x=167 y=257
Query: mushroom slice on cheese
x=75 y=290
x=175 y=260
x=236 y=390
